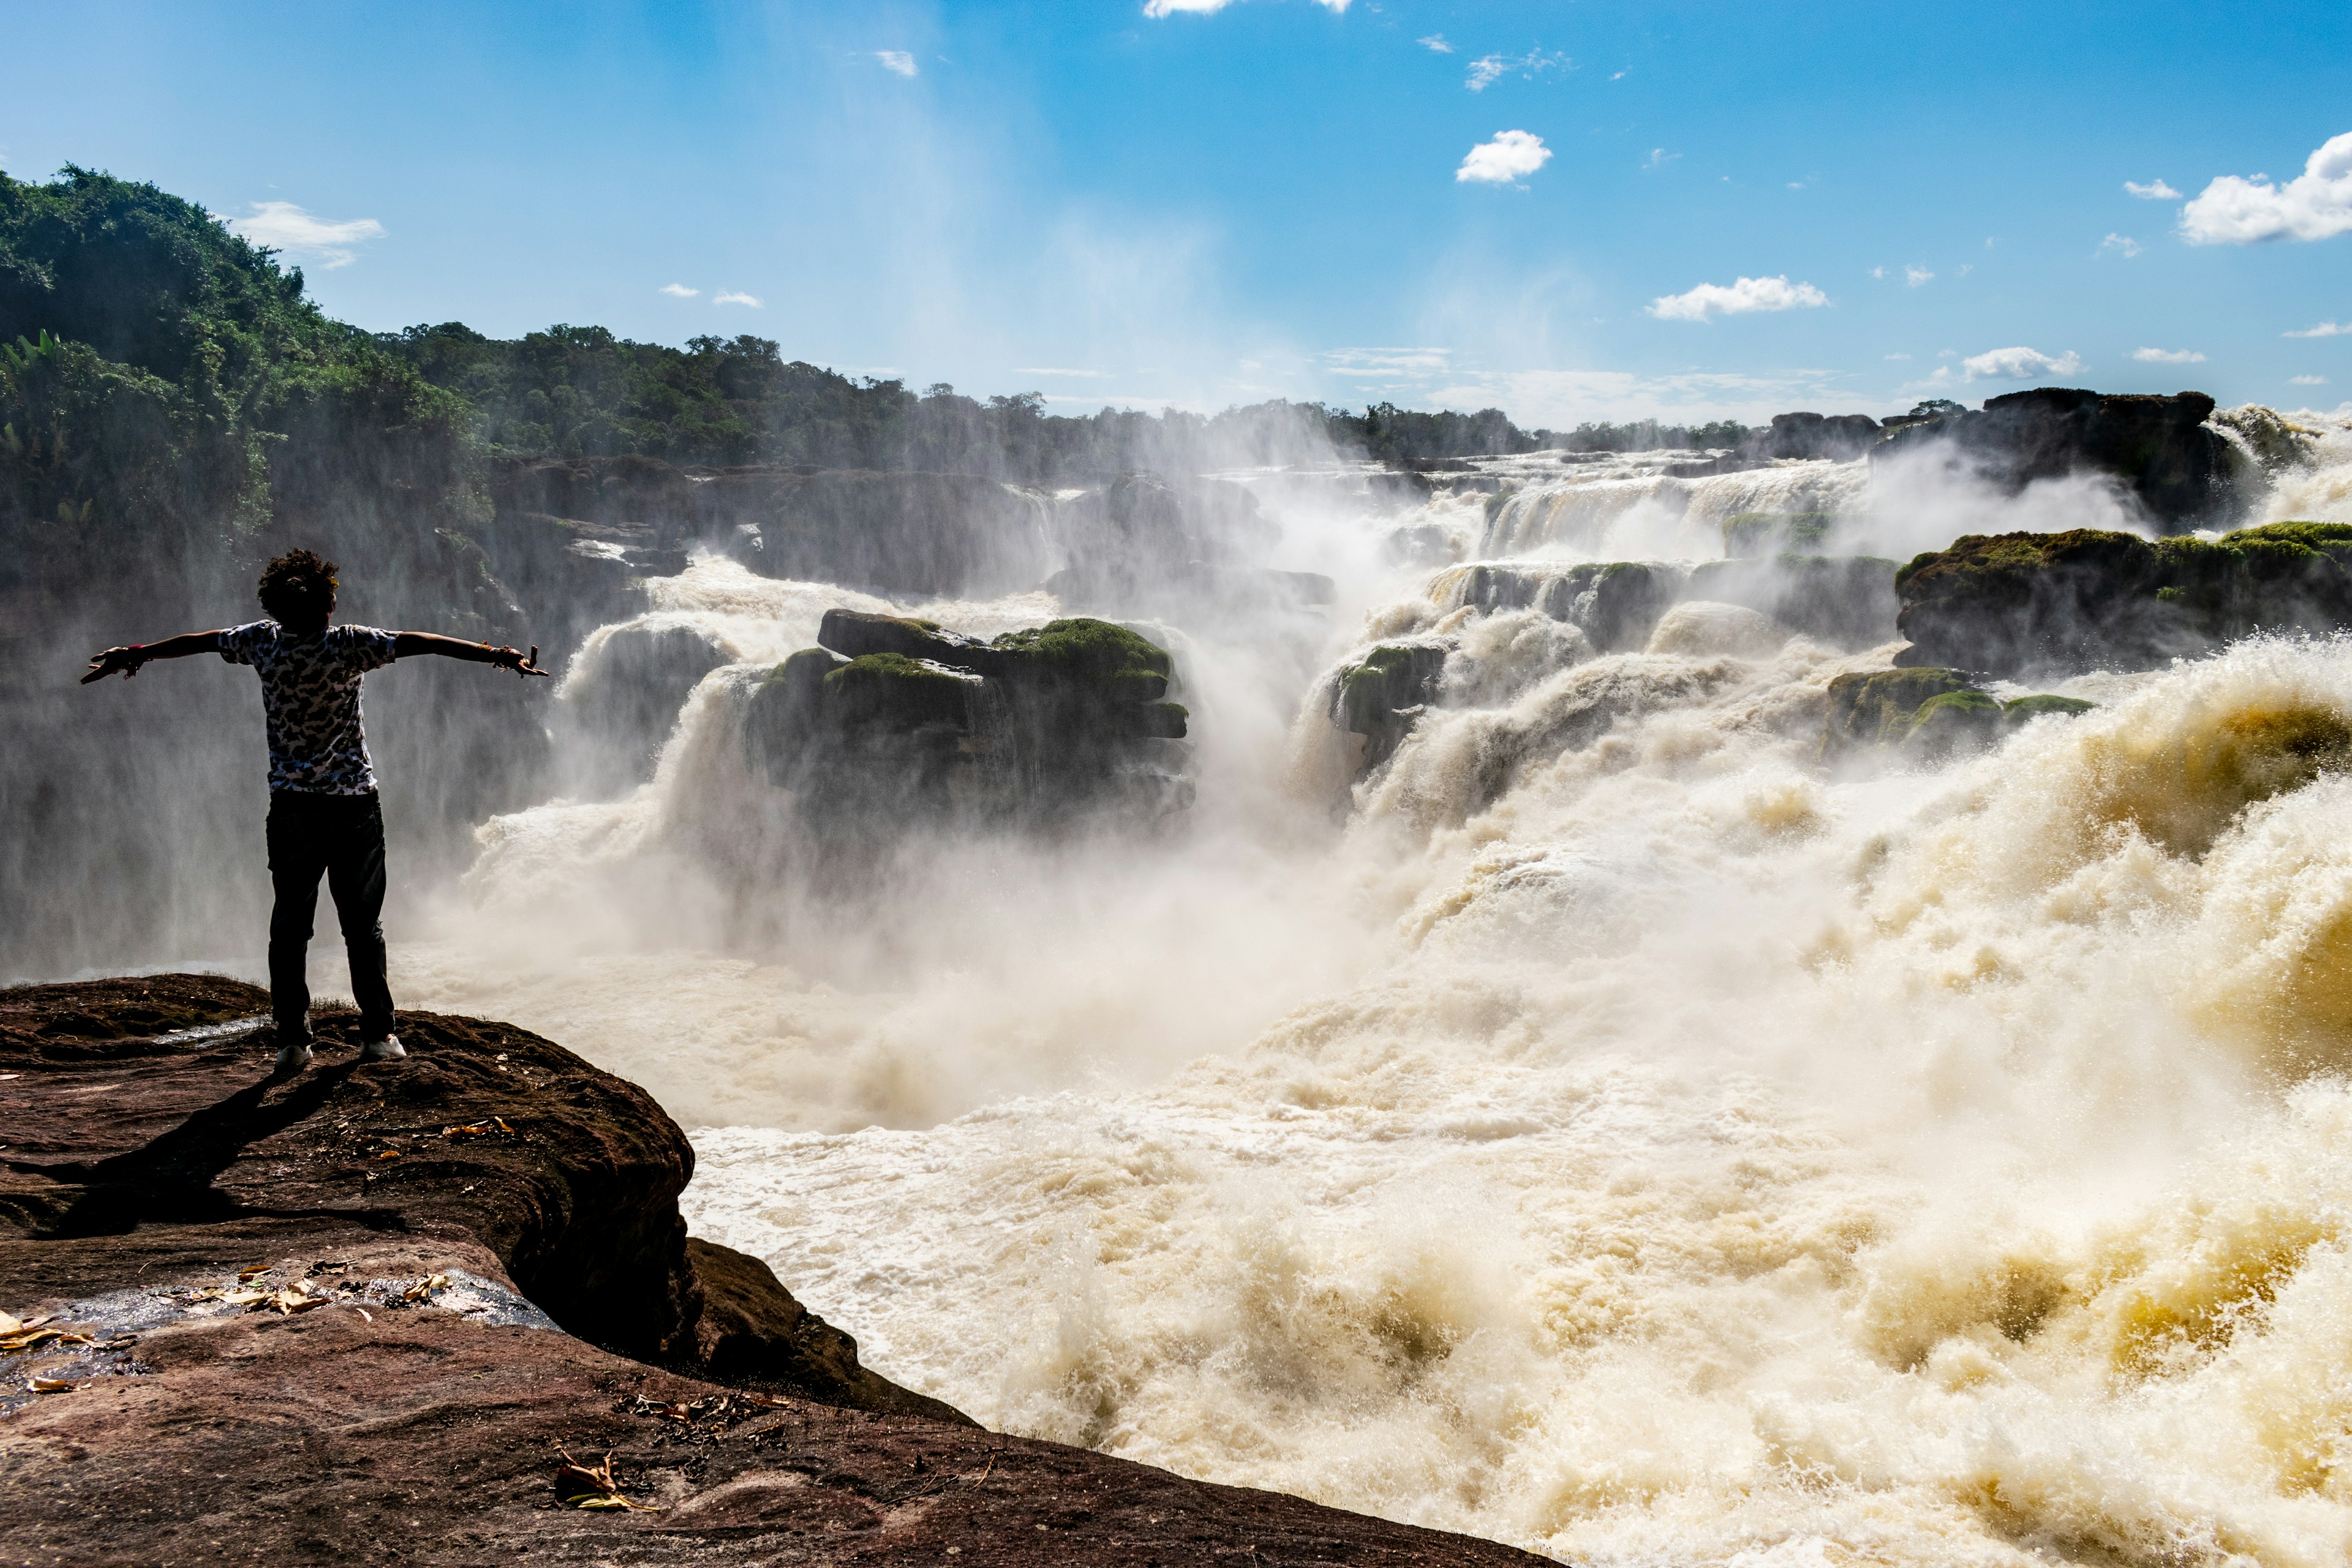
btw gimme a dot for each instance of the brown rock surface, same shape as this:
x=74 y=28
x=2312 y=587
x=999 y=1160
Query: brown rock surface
x=316 y=1320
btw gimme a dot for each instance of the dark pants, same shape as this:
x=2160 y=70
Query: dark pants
x=342 y=837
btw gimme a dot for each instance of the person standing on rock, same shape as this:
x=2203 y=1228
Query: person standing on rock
x=325 y=817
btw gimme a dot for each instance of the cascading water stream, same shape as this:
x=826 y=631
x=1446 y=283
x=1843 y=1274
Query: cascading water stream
x=1615 y=1131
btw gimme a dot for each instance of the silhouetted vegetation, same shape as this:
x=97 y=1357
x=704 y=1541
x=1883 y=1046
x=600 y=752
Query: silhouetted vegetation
x=1649 y=435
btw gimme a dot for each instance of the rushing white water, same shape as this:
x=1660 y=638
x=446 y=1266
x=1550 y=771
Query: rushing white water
x=1618 y=1136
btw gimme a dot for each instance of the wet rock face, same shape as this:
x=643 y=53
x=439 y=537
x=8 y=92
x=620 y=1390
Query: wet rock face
x=893 y=723
x=1382 y=696
x=2007 y=604
x=2160 y=448
x=1925 y=714
x=1839 y=437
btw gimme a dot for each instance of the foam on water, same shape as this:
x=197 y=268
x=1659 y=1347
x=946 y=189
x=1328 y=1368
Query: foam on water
x=1937 y=1168
x=1618 y=1134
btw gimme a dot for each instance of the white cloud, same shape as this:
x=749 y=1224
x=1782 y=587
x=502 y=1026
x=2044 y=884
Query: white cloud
x=897 y=60
x=1742 y=297
x=1502 y=161
x=1914 y=276
x=1435 y=44
x=2154 y=191
x=2167 y=356
x=2120 y=242
x=282 y=227
x=2325 y=330
x=679 y=290
x=2315 y=204
x=1659 y=157
x=729 y=297
x=1489 y=68
x=1046 y=370
x=1878 y=272
x=2019 y=364
x=1899 y=356
x=2306 y=381
x=1388 y=363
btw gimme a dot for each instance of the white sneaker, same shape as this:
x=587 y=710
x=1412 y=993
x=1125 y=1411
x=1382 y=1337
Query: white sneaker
x=387 y=1049
x=292 y=1059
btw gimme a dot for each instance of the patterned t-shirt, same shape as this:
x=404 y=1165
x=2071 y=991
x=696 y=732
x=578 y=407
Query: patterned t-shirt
x=310 y=694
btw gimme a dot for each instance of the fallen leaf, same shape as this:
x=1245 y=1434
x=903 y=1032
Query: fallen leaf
x=10 y=1324
x=593 y=1486
x=425 y=1287
x=364 y=1313
x=14 y=1343
x=5 y=1077
x=290 y=1302
x=245 y=1297
x=389 y=1155
x=51 y=1385
x=502 y=1125
x=251 y=1272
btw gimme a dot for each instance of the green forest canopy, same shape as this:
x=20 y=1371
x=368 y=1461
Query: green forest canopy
x=163 y=380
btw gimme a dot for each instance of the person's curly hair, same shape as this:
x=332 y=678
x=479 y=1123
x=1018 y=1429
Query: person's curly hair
x=298 y=589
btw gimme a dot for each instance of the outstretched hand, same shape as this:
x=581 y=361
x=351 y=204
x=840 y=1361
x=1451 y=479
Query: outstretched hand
x=126 y=659
x=520 y=663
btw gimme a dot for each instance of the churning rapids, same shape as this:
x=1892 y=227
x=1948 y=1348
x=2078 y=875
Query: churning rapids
x=1649 y=1150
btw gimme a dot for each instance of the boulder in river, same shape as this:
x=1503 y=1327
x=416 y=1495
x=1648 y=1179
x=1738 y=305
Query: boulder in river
x=2180 y=469
x=894 y=719
x=1381 y=695
x=2005 y=604
x=1926 y=713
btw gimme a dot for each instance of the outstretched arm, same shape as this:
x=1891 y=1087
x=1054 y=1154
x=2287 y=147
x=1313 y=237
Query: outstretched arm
x=408 y=645
x=129 y=659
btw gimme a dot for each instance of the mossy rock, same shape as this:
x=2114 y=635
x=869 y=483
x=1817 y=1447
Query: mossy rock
x=2008 y=604
x=1952 y=721
x=2020 y=712
x=900 y=693
x=1877 y=709
x=1391 y=678
x=2333 y=539
x=857 y=633
x=1019 y=731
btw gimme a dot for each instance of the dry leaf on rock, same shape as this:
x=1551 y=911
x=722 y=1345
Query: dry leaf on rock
x=425 y=1287
x=593 y=1486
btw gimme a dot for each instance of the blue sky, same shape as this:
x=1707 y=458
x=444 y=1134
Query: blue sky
x=1281 y=198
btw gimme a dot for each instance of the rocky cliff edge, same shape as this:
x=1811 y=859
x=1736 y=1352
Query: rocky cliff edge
x=446 y=1310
